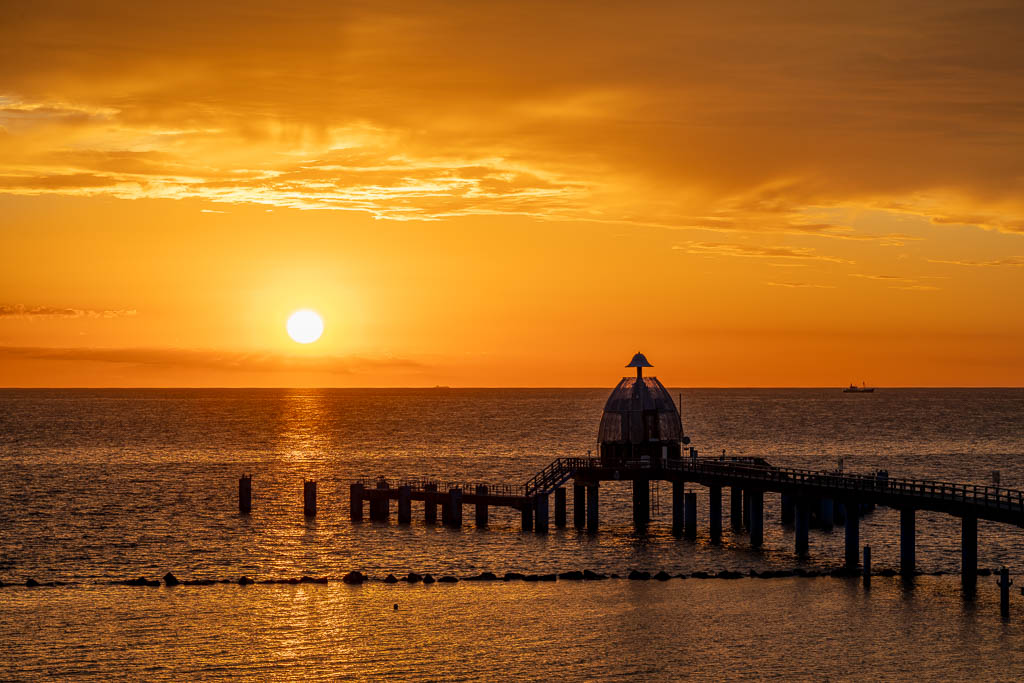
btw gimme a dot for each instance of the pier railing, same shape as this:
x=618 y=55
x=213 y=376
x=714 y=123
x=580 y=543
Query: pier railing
x=441 y=486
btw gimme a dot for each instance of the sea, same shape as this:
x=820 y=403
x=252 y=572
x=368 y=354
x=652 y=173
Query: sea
x=101 y=486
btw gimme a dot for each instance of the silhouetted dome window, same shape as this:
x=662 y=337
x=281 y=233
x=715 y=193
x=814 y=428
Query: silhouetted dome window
x=640 y=420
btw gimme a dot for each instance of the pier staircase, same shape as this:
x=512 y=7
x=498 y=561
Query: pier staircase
x=556 y=474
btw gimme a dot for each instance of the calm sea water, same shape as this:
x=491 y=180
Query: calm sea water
x=97 y=486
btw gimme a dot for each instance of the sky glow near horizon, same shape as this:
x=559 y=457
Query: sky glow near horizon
x=515 y=194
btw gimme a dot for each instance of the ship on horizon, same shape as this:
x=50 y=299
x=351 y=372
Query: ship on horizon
x=862 y=389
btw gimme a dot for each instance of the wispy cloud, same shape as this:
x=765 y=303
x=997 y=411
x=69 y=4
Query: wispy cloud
x=23 y=311
x=993 y=263
x=753 y=251
x=800 y=285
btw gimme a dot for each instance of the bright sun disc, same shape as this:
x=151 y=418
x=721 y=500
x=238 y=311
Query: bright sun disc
x=305 y=326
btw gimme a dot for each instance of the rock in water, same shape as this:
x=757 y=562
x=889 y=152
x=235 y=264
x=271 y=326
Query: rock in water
x=390 y=578
x=31 y=583
x=354 y=578
x=639 y=576
x=427 y=578
x=170 y=579
x=662 y=576
x=245 y=581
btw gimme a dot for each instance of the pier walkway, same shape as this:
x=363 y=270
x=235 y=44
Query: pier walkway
x=825 y=498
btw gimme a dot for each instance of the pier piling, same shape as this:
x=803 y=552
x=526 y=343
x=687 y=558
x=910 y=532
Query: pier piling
x=404 y=504
x=826 y=518
x=560 y=507
x=867 y=566
x=430 y=503
x=908 y=542
x=690 y=499
x=527 y=516
x=355 y=502
x=746 y=508
x=309 y=498
x=481 y=507
x=715 y=513
x=245 y=494
x=801 y=526
x=380 y=505
x=786 y=511
x=969 y=552
x=592 y=508
x=540 y=513
x=641 y=503
x=455 y=511
x=678 y=493
x=756 y=524
x=735 y=508
x=579 y=506
x=1004 y=592
x=852 y=542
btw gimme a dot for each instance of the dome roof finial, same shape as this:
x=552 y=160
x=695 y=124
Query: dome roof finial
x=639 y=361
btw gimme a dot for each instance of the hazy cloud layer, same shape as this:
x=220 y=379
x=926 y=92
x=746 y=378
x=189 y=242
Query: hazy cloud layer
x=209 y=359
x=731 y=116
x=23 y=311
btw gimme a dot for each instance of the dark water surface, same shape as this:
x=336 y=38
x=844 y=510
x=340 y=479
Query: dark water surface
x=104 y=485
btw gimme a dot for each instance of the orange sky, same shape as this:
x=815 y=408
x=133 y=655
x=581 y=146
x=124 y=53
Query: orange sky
x=512 y=193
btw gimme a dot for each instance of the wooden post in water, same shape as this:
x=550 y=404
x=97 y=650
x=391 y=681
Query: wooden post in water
x=908 y=542
x=826 y=514
x=787 y=509
x=527 y=514
x=560 y=507
x=245 y=494
x=1004 y=592
x=579 y=506
x=309 y=498
x=481 y=507
x=715 y=512
x=746 y=508
x=404 y=504
x=852 y=541
x=969 y=552
x=380 y=504
x=355 y=502
x=455 y=514
x=641 y=503
x=867 y=566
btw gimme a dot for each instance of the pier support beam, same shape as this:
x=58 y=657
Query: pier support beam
x=481 y=507
x=245 y=494
x=786 y=509
x=715 y=512
x=852 y=540
x=678 y=491
x=380 y=505
x=746 y=509
x=867 y=566
x=404 y=504
x=801 y=526
x=560 y=507
x=430 y=503
x=355 y=502
x=756 y=524
x=826 y=516
x=690 y=499
x=839 y=512
x=579 y=506
x=969 y=552
x=592 y=508
x=540 y=513
x=908 y=542
x=641 y=504
x=735 y=508
x=527 y=515
x=455 y=508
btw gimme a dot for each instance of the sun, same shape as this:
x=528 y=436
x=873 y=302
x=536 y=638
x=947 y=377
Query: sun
x=305 y=326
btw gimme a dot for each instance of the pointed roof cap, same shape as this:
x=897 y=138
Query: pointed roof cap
x=639 y=361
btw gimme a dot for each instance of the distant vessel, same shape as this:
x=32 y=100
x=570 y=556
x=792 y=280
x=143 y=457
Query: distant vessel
x=862 y=389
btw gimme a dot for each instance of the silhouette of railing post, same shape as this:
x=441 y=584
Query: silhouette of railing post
x=245 y=494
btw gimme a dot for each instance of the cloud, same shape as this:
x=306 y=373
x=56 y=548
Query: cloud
x=408 y=111
x=993 y=263
x=23 y=311
x=210 y=359
x=799 y=285
x=752 y=251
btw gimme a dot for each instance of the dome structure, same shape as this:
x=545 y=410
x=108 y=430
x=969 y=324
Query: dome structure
x=640 y=421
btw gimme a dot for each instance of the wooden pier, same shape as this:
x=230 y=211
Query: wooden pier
x=828 y=497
